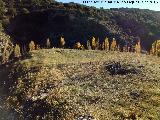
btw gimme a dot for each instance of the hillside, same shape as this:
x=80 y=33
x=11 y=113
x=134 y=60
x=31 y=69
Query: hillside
x=69 y=84
x=38 y=20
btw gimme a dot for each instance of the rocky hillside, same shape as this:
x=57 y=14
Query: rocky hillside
x=37 y=21
x=72 y=84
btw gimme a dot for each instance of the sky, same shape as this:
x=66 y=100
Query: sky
x=143 y=4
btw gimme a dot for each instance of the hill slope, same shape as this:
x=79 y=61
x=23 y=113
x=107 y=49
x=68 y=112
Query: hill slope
x=67 y=84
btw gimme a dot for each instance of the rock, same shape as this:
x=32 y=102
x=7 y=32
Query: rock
x=135 y=94
x=85 y=117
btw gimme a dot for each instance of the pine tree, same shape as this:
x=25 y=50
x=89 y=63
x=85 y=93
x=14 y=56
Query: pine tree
x=17 y=52
x=158 y=48
x=97 y=45
x=38 y=47
x=6 y=48
x=154 y=48
x=138 y=47
x=32 y=46
x=88 y=45
x=62 y=42
x=103 y=46
x=150 y=51
x=77 y=45
x=93 y=43
x=82 y=47
x=2 y=9
x=113 y=45
x=106 y=44
x=48 y=44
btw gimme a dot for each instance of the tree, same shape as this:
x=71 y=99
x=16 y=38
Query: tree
x=155 y=50
x=62 y=42
x=40 y=2
x=93 y=43
x=88 y=45
x=113 y=45
x=82 y=47
x=105 y=44
x=2 y=9
x=48 y=44
x=6 y=47
x=11 y=9
x=77 y=45
x=32 y=46
x=138 y=47
x=97 y=45
x=1 y=26
x=25 y=11
x=158 y=48
x=17 y=51
x=38 y=47
x=36 y=2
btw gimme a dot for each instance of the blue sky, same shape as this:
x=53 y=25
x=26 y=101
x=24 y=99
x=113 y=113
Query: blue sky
x=144 y=5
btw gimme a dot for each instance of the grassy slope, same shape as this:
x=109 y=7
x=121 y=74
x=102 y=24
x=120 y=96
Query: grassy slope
x=74 y=82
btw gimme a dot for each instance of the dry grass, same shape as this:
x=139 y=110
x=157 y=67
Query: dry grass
x=65 y=84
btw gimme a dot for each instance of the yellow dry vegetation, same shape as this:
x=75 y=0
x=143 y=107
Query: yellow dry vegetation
x=138 y=47
x=113 y=45
x=93 y=43
x=17 y=52
x=105 y=44
x=155 y=50
x=62 y=42
x=48 y=43
x=77 y=45
x=32 y=46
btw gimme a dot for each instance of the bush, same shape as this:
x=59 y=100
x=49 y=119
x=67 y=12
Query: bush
x=32 y=46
